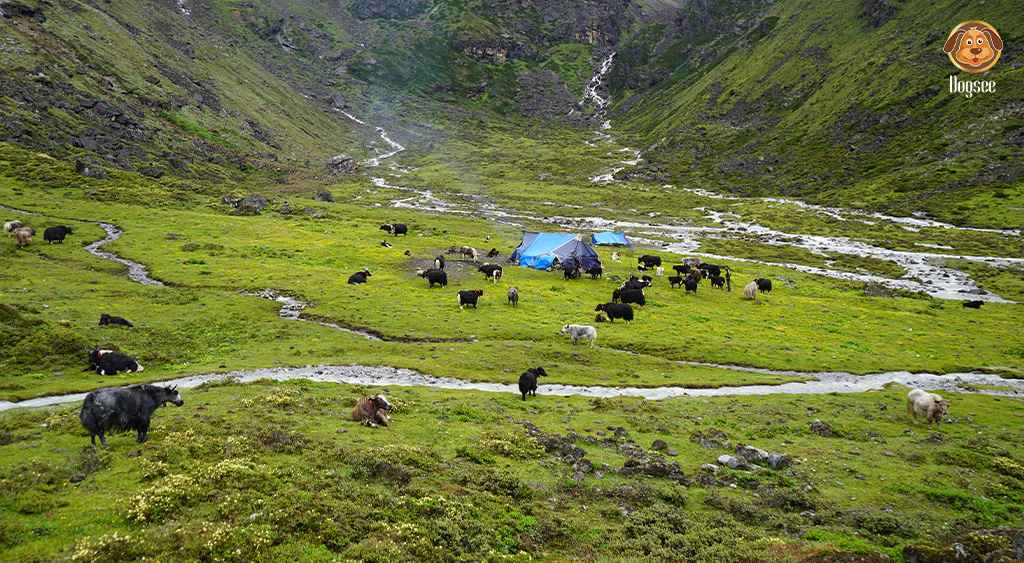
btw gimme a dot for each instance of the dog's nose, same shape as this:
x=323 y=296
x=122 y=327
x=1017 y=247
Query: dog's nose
x=975 y=51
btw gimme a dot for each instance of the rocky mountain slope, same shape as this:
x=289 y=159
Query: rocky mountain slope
x=834 y=102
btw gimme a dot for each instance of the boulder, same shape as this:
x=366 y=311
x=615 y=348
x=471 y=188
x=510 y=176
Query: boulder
x=337 y=100
x=323 y=195
x=873 y=289
x=658 y=445
x=779 y=461
x=732 y=462
x=822 y=429
x=751 y=454
x=151 y=171
x=285 y=209
x=342 y=163
x=89 y=171
x=255 y=200
x=246 y=209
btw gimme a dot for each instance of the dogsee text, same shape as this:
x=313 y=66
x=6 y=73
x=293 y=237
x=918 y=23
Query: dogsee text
x=971 y=87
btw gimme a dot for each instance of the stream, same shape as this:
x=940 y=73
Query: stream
x=383 y=376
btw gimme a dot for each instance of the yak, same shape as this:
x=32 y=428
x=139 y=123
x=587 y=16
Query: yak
x=124 y=408
x=372 y=411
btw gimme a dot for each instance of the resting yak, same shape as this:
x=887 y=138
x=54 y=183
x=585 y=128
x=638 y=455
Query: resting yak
x=371 y=411
x=124 y=408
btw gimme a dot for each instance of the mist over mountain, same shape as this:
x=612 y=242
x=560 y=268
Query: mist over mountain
x=844 y=103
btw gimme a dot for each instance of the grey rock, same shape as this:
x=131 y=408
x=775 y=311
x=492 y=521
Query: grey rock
x=151 y=171
x=90 y=172
x=323 y=195
x=822 y=429
x=584 y=465
x=337 y=100
x=255 y=200
x=708 y=468
x=658 y=445
x=285 y=209
x=751 y=454
x=779 y=461
x=341 y=163
x=671 y=452
x=1018 y=544
x=873 y=289
x=246 y=209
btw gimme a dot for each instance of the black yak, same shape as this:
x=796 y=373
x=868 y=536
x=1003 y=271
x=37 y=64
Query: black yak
x=109 y=362
x=124 y=408
x=528 y=381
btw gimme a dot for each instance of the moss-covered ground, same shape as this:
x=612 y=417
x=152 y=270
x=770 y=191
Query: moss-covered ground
x=277 y=472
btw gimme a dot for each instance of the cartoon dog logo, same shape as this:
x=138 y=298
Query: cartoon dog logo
x=973 y=46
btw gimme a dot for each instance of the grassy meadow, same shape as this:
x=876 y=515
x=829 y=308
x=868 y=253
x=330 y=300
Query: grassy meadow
x=276 y=472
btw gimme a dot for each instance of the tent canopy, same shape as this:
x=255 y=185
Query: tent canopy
x=615 y=239
x=540 y=250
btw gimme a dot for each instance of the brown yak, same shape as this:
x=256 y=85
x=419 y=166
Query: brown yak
x=371 y=411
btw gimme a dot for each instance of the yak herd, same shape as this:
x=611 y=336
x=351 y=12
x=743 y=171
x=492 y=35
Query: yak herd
x=130 y=408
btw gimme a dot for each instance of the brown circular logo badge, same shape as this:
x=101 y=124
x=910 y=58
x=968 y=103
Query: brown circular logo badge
x=973 y=46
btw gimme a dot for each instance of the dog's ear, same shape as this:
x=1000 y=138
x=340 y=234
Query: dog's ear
x=993 y=39
x=953 y=43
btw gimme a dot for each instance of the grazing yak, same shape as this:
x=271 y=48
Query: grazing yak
x=436 y=276
x=578 y=332
x=616 y=311
x=493 y=253
x=764 y=285
x=57 y=234
x=718 y=281
x=23 y=236
x=492 y=271
x=11 y=226
x=681 y=269
x=929 y=405
x=528 y=381
x=513 y=296
x=972 y=304
x=106 y=319
x=468 y=297
x=468 y=252
x=372 y=411
x=599 y=318
x=124 y=408
x=691 y=285
x=396 y=229
x=595 y=272
x=675 y=280
x=649 y=262
x=359 y=277
x=439 y=262
x=750 y=291
x=632 y=296
x=109 y=362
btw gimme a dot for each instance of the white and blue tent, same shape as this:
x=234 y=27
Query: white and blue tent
x=542 y=250
x=609 y=238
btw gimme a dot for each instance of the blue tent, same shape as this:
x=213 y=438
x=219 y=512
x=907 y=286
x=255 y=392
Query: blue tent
x=541 y=250
x=614 y=239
